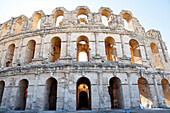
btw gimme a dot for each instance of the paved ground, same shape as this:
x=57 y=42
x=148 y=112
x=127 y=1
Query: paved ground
x=156 y=110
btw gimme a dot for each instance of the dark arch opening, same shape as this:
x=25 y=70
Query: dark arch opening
x=50 y=94
x=58 y=18
x=2 y=86
x=82 y=16
x=83 y=94
x=128 y=18
x=83 y=99
x=144 y=93
x=55 y=52
x=110 y=46
x=82 y=47
x=22 y=95
x=10 y=55
x=116 y=95
x=106 y=18
x=166 y=91
x=36 y=21
x=30 y=51
x=156 y=56
x=135 y=51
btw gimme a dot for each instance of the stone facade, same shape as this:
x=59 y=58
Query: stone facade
x=41 y=66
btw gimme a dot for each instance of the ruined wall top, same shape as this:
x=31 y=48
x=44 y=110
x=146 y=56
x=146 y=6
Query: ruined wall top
x=80 y=17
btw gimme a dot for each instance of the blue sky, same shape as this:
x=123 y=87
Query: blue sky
x=152 y=14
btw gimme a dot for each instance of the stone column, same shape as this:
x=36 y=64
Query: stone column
x=100 y=86
x=3 y=59
x=91 y=49
x=163 y=50
x=96 y=44
x=143 y=54
x=160 y=104
x=66 y=92
x=130 y=90
x=35 y=91
x=9 y=91
x=125 y=46
x=73 y=47
x=68 y=44
x=1 y=54
x=42 y=46
x=119 y=49
x=19 y=49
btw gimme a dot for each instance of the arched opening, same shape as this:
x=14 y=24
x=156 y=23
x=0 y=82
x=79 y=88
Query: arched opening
x=22 y=94
x=83 y=56
x=83 y=94
x=30 y=50
x=50 y=94
x=2 y=86
x=36 y=21
x=58 y=18
x=144 y=93
x=4 y=30
x=10 y=55
x=128 y=21
x=82 y=48
x=135 y=52
x=18 y=26
x=82 y=21
x=106 y=18
x=82 y=16
x=166 y=91
x=116 y=94
x=156 y=56
x=55 y=49
x=110 y=49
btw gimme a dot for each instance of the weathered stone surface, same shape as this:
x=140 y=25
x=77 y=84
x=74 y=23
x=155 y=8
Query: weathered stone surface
x=41 y=63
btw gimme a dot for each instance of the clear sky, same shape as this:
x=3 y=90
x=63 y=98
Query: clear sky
x=152 y=14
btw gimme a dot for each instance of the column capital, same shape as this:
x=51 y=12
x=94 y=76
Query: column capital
x=128 y=74
x=100 y=72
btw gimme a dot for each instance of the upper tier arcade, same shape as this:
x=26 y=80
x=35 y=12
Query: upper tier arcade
x=63 y=35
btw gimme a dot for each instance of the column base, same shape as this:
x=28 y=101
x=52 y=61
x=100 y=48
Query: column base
x=37 y=61
x=65 y=59
x=125 y=59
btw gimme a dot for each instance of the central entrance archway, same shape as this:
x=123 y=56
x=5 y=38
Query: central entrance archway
x=83 y=94
x=116 y=95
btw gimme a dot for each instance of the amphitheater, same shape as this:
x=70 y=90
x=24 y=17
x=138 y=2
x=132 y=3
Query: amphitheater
x=82 y=60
